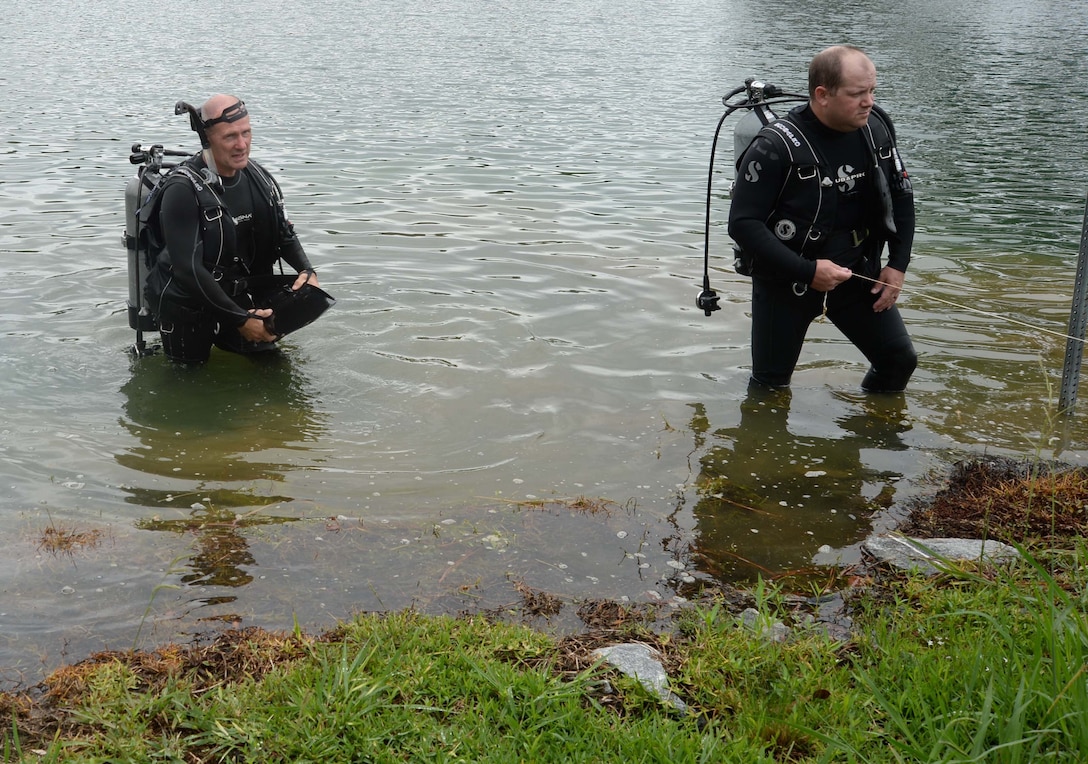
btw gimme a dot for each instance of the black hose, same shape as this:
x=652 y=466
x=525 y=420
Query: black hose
x=707 y=301
x=733 y=92
x=709 y=198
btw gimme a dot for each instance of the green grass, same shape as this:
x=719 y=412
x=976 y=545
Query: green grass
x=974 y=666
x=973 y=669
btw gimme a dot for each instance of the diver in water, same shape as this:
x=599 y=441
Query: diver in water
x=218 y=225
x=818 y=195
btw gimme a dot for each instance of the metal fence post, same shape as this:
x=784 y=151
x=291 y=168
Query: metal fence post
x=1078 y=322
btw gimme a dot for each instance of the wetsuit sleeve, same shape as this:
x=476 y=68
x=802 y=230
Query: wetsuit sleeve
x=760 y=178
x=179 y=220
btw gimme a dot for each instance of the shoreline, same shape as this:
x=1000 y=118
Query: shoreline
x=763 y=617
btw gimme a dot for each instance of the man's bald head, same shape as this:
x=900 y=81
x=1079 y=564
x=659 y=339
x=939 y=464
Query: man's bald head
x=226 y=124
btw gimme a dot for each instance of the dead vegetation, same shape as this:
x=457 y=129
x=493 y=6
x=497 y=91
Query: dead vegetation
x=609 y=615
x=62 y=541
x=1009 y=501
x=583 y=504
x=230 y=657
x=536 y=602
x=227 y=658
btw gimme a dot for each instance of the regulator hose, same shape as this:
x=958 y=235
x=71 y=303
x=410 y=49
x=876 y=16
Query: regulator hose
x=707 y=301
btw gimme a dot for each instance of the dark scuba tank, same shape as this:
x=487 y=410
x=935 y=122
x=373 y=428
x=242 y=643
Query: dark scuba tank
x=152 y=169
x=137 y=190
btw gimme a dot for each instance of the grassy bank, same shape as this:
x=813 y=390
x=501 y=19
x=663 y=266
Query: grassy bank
x=975 y=664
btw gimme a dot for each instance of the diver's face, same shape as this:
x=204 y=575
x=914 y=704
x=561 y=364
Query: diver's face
x=230 y=142
x=847 y=107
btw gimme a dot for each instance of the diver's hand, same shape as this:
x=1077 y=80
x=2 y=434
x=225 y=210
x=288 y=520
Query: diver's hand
x=255 y=329
x=889 y=286
x=829 y=275
x=307 y=276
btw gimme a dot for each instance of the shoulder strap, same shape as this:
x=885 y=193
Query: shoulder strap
x=186 y=172
x=264 y=179
x=881 y=150
x=881 y=134
x=805 y=162
x=885 y=121
x=797 y=145
x=211 y=204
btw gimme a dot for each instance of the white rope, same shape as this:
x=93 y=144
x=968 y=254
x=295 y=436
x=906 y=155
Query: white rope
x=968 y=308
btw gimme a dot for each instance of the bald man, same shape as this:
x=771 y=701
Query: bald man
x=219 y=225
x=818 y=197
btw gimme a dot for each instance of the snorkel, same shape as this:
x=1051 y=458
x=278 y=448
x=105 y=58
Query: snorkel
x=199 y=125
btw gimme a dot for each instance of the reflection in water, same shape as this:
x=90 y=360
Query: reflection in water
x=222 y=550
x=207 y=423
x=764 y=486
x=203 y=426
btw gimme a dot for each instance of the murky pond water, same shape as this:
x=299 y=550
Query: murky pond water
x=515 y=385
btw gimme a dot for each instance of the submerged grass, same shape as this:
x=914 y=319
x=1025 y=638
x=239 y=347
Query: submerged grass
x=973 y=665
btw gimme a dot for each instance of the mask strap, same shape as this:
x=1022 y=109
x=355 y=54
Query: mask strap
x=232 y=113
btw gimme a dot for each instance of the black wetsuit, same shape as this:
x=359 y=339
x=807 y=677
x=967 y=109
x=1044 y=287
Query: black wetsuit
x=783 y=223
x=218 y=248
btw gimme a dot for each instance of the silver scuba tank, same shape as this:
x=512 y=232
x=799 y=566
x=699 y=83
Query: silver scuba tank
x=758 y=115
x=748 y=127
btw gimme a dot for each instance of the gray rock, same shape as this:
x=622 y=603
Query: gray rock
x=642 y=663
x=930 y=556
x=832 y=617
x=772 y=631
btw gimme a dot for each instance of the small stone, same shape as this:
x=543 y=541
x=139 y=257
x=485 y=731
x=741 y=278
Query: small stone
x=642 y=663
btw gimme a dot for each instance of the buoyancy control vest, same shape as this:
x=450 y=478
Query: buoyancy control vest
x=218 y=231
x=805 y=214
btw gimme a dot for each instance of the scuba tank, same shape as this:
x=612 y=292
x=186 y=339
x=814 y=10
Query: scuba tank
x=759 y=100
x=759 y=115
x=137 y=190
